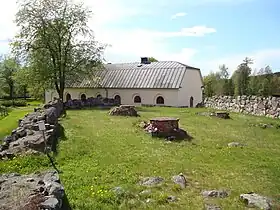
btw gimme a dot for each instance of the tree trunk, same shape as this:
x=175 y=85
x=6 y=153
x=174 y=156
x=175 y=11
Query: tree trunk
x=61 y=94
x=11 y=91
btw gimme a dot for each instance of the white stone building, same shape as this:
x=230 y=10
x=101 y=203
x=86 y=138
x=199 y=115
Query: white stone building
x=166 y=83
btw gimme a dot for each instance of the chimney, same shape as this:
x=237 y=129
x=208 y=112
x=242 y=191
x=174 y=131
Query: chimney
x=145 y=60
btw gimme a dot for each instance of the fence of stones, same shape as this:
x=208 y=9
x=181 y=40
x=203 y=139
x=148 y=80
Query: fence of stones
x=255 y=105
x=27 y=138
x=90 y=102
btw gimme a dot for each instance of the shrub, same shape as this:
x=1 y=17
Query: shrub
x=9 y=103
x=3 y=111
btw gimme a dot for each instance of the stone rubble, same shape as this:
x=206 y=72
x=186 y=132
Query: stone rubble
x=124 y=110
x=255 y=105
x=215 y=193
x=34 y=191
x=27 y=138
x=90 y=102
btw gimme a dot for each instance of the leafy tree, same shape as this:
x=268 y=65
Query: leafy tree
x=56 y=42
x=266 y=77
x=8 y=67
x=211 y=84
x=152 y=59
x=225 y=85
x=241 y=77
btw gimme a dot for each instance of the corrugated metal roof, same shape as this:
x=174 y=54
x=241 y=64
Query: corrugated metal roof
x=162 y=74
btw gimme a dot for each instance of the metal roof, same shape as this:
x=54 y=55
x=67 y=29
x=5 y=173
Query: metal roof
x=162 y=74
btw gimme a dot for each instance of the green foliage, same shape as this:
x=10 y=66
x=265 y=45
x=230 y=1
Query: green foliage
x=152 y=59
x=8 y=66
x=242 y=82
x=15 y=103
x=241 y=77
x=56 y=42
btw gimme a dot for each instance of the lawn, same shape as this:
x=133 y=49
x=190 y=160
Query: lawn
x=101 y=152
x=10 y=122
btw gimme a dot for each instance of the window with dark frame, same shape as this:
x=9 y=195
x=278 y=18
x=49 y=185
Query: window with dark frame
x=160 y=100
x=137 y=99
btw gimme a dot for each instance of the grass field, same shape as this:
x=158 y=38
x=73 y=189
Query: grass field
x=101 y=152
x=10 y=122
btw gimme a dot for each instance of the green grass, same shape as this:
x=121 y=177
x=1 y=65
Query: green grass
x=10 y=122
x=103 y=151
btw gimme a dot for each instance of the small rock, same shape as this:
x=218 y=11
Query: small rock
x=235 y=144
x=180 y=180
x=172 y=198
x=8 y=139
x=55 y=189
x=151 y=181
x=253 y=200
x=50 y=203
x=215 y=193
x=118 y=190
x=29 y=132
x=51 y=176
x=212 y=207
x=21 y=132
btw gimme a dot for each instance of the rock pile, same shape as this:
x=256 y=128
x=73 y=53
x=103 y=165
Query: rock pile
x=124 y=110
x=90 y=102
x=27 y=138
x=260 y=106
x=34 y=191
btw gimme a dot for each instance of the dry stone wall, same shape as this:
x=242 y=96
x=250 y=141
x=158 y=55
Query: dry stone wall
x=255 y=105
x=27 y=138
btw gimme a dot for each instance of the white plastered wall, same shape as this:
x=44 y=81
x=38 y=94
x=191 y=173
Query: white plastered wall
x=191 y=86
x=148 y=96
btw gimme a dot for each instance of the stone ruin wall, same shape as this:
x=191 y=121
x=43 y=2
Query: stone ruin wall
x=27 y=138
x=39 y=190
x=254 y=105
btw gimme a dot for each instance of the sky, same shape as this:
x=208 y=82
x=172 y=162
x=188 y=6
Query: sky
x=200 y=33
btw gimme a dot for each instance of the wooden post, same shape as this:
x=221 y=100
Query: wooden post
x=42 y=128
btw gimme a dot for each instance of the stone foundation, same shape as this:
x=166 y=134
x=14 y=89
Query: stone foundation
x=259 y=106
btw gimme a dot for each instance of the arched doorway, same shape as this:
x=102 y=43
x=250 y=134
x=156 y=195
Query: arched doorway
x=68 y=97
x=83 y=97
x=191 y=101
x=137 y=99
x=160 y=100
x=99 y=96
x=117 y=99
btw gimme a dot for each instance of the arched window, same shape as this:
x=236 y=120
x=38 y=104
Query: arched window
x=160 y=100
x=83 y=97
x=137 y=99
x=117 y=99
x=99 y=96
x=68 y=96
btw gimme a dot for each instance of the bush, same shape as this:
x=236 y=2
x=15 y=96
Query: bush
x=3 y=111
x=9 y=103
